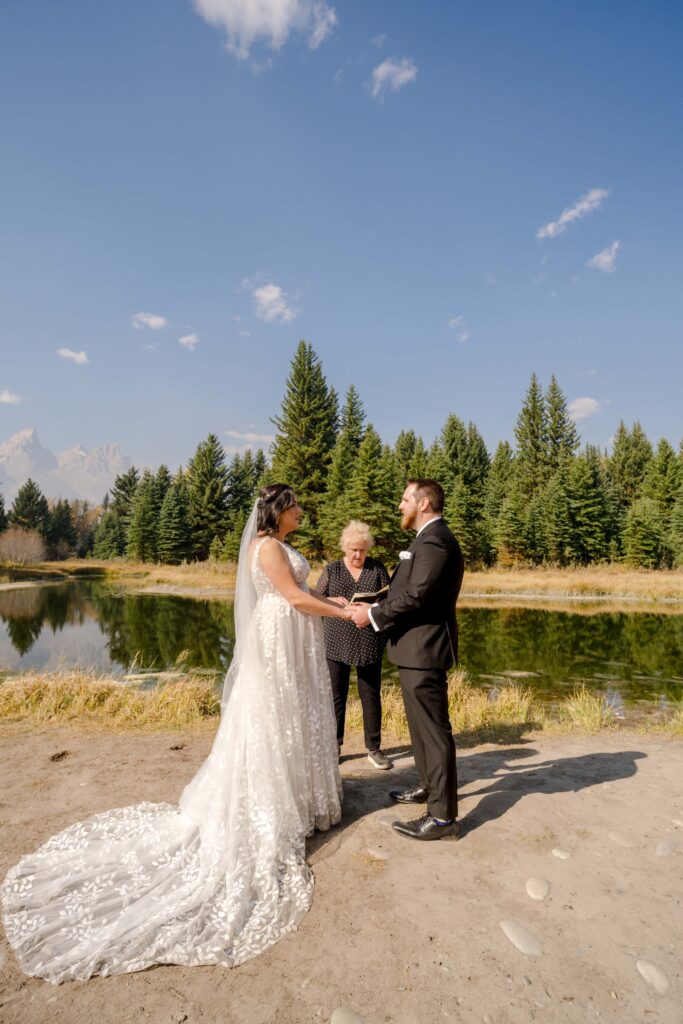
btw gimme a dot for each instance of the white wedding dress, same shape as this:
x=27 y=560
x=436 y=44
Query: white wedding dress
x=221 y=877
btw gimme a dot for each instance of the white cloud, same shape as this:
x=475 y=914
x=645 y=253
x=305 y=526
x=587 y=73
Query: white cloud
x=378 y=40
x=457 y=323
x=249 y=438
x=581 y=208
x=582 y=408
x=272 y=304
x=9 y=398
x=151 y=320
x=246 y=22
x=605 y=260
x=190 y=341
x=392 y=74
x=75 y=357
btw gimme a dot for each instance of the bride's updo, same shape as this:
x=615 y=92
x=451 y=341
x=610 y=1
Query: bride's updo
x=273 y=501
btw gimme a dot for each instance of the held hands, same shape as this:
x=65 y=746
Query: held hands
x=341 y=601
x=358 y=614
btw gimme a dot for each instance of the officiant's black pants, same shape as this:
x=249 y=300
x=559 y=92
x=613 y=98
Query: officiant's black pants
x=425 y=695
x=369 y=684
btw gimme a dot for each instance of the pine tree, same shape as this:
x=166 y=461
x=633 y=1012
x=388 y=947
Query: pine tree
x=344 y=455
x=497 y=487
x=454 y=448
x=643 y=538
x=509 y=537
x=463 y=517
x=30 y=509
x=676 y=530
x=417 y=468
x=107 y=539
x=231 y=544
x=60 y=531
x=207 y=482
x=663 y=478
x=563 y=438
x=557 y=521
x=175 y=542
x=373 y=495
x=405 y=449
x=121 y=504
x=306 y=435
x=588 y=507
x=162 y=483
x=531 y=433
x=535 y=546
x=631 y=455
x=144 y=524
x=3 y=514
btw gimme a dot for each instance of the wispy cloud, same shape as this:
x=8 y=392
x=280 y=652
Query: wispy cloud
x=9 y=397
x=392 y=74
x=580 y=209
x=457 y=323
x=246 y=22
x=76 y=357
x=151 y=320
x=190 y=341
x=378 y=40
x=605 y=260
x=272 y=304
x=583 y=408
x=249 y=438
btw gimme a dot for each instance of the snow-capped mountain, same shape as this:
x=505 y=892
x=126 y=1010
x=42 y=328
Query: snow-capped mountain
x=74 y=473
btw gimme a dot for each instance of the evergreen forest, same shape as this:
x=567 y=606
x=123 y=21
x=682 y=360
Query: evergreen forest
x=544 y=500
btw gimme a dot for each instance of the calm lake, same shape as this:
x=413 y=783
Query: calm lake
x=635 y=657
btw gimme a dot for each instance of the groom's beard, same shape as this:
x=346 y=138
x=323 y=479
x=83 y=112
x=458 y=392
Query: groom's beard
x=408 y=521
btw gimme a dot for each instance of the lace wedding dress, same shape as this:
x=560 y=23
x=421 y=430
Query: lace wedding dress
x=221 y=877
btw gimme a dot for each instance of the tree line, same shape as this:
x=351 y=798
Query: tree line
x=543 y=500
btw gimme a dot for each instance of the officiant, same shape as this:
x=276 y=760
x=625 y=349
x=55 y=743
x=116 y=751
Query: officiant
x=346 y=646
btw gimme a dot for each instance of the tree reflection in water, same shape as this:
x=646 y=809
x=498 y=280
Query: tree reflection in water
x=639 y=655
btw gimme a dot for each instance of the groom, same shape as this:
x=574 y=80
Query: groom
x=419 y=615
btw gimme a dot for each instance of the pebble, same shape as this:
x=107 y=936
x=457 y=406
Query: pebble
x=654 y=977
x=537 y=888
x=342 y=1015
x=376 y=854
x=677 y=821
x=520 y=938
x=561 y=854
x=623 y=839
x=665 y=849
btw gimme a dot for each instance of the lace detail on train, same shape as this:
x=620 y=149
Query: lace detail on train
x=222 y=876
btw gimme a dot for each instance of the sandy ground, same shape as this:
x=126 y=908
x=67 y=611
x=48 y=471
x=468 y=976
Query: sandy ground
x=400 y=931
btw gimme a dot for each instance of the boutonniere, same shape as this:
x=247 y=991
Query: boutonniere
x=405 y=554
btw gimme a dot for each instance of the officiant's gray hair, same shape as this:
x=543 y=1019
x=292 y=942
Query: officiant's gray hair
x=356 y=529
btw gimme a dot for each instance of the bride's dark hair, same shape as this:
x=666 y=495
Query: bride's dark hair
x=272 y=502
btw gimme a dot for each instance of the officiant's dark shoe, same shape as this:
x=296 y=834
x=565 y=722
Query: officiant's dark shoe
x=416 y=795
x=427 y=828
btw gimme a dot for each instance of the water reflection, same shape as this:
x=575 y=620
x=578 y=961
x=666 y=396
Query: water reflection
x=629 y=656
x=93 y=623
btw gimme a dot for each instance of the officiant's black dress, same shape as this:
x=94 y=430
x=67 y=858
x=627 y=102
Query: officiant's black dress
x=346 y=645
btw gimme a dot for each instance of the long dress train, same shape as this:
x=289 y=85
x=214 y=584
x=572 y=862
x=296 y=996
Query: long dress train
x=222 y=876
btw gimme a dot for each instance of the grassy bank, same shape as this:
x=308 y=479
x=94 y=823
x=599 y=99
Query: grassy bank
x=84 y=697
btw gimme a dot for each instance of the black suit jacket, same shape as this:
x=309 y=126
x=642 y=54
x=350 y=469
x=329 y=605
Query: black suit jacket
x=419 y=610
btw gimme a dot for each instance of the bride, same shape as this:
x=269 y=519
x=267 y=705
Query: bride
x=222 y=876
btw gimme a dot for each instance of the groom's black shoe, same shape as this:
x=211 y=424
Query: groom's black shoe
x=427 y=828
x=417 y=795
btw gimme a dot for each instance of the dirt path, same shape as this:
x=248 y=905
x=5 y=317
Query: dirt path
x=399 y=931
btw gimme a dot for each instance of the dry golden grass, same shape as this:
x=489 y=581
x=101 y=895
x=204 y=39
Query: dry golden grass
x=590 y=581
x=85 y=697
x=587 y=711
x=191 y=576
x=475 y=715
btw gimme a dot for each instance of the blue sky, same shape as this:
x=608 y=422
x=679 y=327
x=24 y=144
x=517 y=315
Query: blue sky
x=373 y=177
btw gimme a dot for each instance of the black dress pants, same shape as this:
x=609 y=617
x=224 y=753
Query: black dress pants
x=425 y=696
x=369 y=683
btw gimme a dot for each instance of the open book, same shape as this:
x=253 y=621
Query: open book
x=372 y=598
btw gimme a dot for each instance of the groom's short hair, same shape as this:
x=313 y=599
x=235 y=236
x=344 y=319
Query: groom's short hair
x=431 y=489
